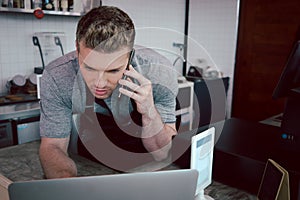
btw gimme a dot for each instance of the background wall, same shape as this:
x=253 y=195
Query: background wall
x=213 y=36
x=159 y=24
x=18 y=55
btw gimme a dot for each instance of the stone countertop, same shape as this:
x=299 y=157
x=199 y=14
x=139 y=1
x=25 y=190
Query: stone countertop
x=21 y=163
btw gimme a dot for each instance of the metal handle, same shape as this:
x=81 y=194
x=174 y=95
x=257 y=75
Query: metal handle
x=58 y=43
x=36 y=42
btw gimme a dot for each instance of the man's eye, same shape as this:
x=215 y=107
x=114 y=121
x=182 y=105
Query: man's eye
x=89 y=68
x=114 y=71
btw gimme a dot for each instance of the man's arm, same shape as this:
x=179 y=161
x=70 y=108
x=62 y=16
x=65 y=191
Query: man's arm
x=156 y=135
x=56 y=121
x=54 y=158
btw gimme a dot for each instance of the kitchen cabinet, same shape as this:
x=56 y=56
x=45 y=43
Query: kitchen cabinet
x=46 y=12
x=6 y=136
x=19 y=123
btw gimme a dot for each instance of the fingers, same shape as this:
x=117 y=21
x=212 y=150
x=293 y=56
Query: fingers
x=134 y=91
x=137 y=91
x=136 y=75
x=130 y=94
x=129 y=84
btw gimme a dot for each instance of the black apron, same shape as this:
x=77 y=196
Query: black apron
x=102 y=139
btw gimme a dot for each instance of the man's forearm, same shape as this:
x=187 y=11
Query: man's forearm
x=56 y=163
x=156 y=135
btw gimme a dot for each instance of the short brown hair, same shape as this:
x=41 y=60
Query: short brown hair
x=106 y=29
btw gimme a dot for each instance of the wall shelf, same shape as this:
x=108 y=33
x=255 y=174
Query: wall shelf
x=47 y=12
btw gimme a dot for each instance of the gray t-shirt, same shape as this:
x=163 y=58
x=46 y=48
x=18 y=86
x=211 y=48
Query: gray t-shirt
x=63 y=91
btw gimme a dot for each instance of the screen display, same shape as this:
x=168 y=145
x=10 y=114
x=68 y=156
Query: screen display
x=202 y=157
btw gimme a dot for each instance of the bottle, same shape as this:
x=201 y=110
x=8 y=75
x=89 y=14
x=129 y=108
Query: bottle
x=56 y=5
x=37 y=4
x=4 y=3
x=27 y=4
x=77 y=6
x=10 y=3
x=16 y=4
x=48 y=5
x=64 y=5
x=70 y=5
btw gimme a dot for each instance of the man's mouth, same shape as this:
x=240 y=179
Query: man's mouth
x=100 y=92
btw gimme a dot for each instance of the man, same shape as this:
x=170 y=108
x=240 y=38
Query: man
x=101 y=68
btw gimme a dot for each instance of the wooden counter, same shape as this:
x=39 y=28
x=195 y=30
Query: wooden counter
x=21 y=163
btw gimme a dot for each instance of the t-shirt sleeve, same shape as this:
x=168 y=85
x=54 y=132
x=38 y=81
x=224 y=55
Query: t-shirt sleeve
x=56 y=114
x=165 y=103
x=159 y=70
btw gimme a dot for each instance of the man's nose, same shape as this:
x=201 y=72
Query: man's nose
x=102 y=80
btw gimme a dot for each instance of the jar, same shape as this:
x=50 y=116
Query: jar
x=16 y=84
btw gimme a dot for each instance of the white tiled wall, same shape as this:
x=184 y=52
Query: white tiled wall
x=213 y=27
x=158 y=23
x=18 y=55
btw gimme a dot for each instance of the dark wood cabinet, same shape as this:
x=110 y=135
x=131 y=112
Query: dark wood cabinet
x=266 y=35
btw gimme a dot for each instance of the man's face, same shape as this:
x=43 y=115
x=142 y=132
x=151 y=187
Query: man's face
x=102 y=71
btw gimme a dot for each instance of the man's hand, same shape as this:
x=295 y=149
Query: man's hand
x=156 y=135
x=141 y=93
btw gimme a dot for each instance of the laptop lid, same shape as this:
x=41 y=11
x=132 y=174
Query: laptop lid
x=161 y=185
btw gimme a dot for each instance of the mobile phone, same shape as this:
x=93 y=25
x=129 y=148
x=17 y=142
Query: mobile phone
x=127 y=66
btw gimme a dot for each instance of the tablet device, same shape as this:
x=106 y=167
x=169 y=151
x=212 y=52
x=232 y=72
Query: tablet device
x=275 y=183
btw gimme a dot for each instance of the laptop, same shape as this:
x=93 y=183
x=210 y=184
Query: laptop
x=160 y=185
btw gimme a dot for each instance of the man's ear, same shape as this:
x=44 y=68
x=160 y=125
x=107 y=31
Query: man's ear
x=77 y=47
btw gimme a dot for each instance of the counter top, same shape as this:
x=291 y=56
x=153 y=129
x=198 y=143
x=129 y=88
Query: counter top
x=21 y=163
x=19 y=110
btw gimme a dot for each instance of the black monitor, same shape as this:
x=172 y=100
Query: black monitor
x=289 y=87
x=290 y=77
